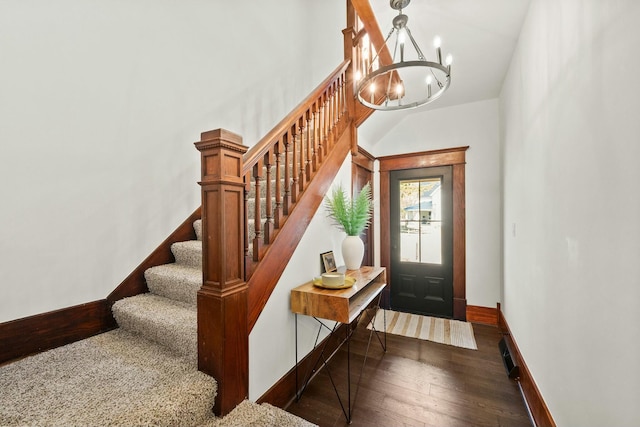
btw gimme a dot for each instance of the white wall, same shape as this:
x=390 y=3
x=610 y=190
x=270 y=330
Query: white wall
x=275 y=328
x=475 y=125
x=100 y=103
x=569 y=125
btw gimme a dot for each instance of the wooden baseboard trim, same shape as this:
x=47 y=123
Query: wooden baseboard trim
x=485 y=315
x=537 y=407
x=283 y=393
x=460 y=309
x=34 y=334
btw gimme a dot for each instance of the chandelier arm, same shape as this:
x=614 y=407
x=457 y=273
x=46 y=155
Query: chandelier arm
x=393 y=61
x=380 y=50
x=436 y=77
x=415 y=45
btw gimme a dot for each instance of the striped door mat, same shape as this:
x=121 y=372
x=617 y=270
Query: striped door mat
x=443 y=331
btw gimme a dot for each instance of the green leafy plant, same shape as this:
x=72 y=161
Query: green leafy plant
x=351 y=216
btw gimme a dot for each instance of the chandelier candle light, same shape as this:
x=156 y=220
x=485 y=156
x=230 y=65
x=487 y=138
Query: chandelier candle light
x=410 y=80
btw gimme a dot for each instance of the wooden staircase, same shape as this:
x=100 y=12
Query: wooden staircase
x=284 y=178
x=289 y=171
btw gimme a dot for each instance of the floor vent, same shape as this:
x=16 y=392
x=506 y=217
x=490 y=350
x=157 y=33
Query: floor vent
x=509 y=363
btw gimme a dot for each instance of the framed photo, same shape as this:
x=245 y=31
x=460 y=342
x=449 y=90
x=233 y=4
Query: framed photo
x=328 y=262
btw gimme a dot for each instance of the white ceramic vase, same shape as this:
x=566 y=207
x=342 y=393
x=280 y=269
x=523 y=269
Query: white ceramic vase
x=352 y=252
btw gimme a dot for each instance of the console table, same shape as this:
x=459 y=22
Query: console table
x=345 y=307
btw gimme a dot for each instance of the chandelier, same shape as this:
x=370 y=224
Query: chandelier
x=410 y=80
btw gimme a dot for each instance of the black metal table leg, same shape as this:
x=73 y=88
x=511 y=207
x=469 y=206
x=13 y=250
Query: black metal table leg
x=325 y=360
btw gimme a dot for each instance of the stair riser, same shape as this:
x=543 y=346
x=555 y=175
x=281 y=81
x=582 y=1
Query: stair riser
x=187 y=255
x=173 y=286
x=169 y=324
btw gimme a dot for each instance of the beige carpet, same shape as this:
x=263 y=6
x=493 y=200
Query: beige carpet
x=250 y=414
x=111 y=379
x=119 y=379
x=443 y=331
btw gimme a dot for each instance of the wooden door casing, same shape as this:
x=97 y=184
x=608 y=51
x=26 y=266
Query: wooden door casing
x=454 y=157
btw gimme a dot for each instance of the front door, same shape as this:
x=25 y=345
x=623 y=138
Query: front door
x=422 y=240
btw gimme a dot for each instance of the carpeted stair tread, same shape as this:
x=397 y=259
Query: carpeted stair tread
x=161 y=320
x=111 y=379
x=175 y=281
x=188 y=253
x=250 y=414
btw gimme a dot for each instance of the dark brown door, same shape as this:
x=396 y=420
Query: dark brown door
x=421 y=231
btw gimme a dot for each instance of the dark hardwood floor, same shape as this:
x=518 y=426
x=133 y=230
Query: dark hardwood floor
x=418 y=383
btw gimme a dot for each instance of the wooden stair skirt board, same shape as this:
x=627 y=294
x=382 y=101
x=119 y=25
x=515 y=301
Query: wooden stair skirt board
x=41 y=332
x=519 y=372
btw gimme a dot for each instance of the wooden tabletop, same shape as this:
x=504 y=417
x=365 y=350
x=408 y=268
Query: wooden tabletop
x=341 y=305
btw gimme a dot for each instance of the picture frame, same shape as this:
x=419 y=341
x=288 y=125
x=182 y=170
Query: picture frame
x=328 y=262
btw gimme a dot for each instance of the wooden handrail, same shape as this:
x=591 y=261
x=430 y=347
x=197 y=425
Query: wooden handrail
x=278 y=169
x=260 y=149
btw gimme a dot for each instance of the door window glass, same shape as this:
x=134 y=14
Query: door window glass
x=421 y=221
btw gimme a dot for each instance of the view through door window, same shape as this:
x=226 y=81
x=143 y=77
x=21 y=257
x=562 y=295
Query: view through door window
x=421 y=221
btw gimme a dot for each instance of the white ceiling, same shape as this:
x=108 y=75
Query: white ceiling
x=480 y=34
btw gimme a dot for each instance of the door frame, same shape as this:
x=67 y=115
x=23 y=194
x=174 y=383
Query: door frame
x=454 y=157
x=362 y=166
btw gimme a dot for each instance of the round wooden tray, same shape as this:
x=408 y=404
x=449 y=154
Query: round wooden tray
x=348 y=282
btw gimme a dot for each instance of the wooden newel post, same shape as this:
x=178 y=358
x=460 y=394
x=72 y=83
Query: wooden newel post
x=223 y=342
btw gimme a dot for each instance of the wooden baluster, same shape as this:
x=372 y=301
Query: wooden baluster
x=294 y=162
x=331 y=115
x=311 y=126
x=316 y=134
x=325 y=121
x=336 y=111
x=339 y=105
x=277 y=152
x=339 y=98
x=327 y=142
x=286 y=202
x=358 y=65
x=343 y=97
x=343 y=102
x=268 y=222
x=371 y=53
x=321 y=117
x=363 y=58
x=257 y=220
x=301 y=146
x=223 y=339
x=343 y=87
x=308 y=115
x=336 y=85
x=247 y=190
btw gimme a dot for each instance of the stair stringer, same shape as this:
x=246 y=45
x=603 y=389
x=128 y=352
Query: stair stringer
x=269 y=270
